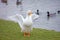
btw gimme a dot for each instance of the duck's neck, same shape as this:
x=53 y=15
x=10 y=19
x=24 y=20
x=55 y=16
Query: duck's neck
x=28 y=16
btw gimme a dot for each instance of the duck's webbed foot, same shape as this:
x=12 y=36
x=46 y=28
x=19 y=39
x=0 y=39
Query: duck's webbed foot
x=26 y=34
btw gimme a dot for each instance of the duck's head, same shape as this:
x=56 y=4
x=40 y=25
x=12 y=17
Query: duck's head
x=29 y=12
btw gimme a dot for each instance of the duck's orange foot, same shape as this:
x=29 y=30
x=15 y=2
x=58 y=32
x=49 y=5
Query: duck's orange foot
x=26 y=34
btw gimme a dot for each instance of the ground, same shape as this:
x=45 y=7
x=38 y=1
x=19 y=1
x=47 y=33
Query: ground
x=10 y=30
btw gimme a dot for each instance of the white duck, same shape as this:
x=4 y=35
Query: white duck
x=25 y=23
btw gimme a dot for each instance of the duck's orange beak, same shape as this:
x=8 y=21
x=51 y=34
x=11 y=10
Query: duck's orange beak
x=29 y=14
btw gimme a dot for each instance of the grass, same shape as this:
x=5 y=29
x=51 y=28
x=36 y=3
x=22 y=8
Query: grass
x=10 y=30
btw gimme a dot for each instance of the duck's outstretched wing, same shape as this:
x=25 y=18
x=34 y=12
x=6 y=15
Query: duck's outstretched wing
x=17 y=18
x=20 y=20
x=35 y=16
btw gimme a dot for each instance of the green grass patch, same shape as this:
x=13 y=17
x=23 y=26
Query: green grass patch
x=10 y=30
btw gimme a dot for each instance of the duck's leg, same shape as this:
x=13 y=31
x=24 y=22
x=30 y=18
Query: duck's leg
x=27 y=34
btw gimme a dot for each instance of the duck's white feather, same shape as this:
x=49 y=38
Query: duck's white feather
x=17 y=18
x=35 y=16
